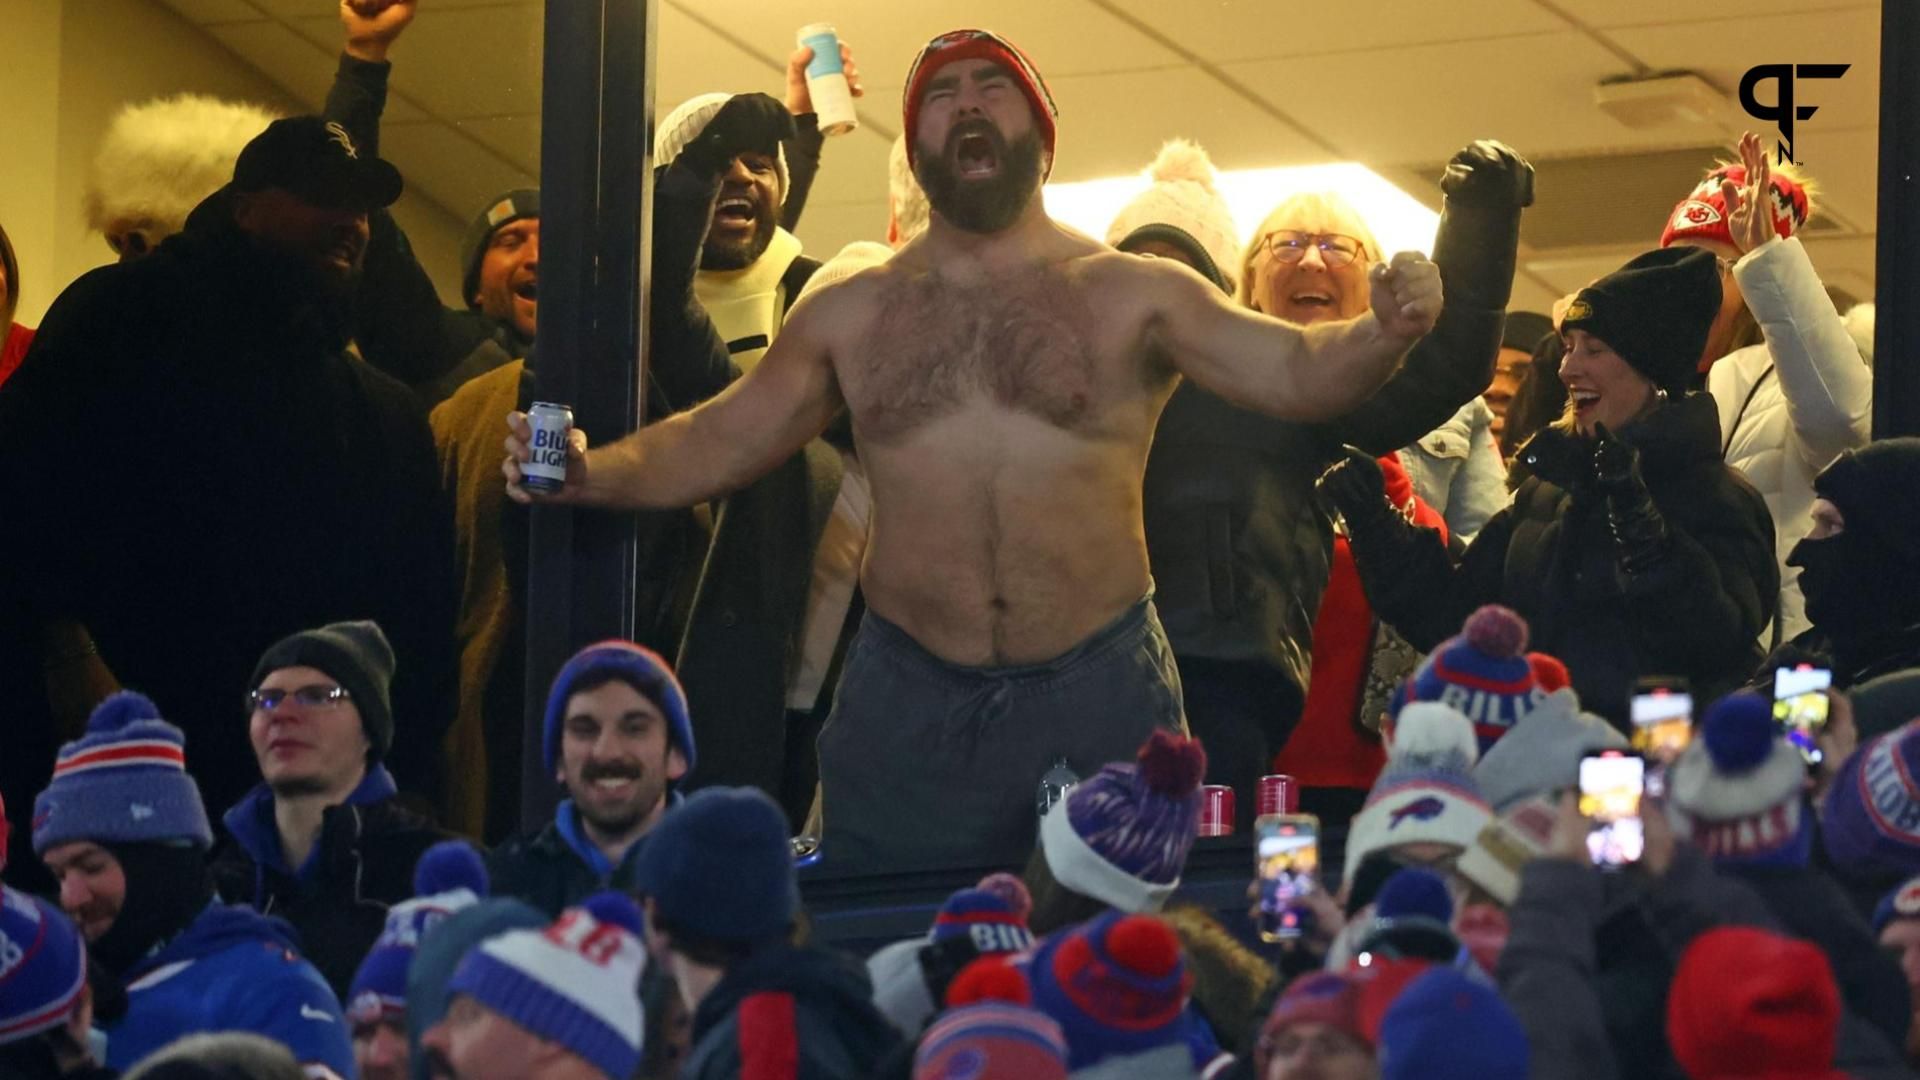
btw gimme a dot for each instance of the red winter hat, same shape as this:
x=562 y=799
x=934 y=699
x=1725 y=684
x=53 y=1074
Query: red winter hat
x=979 y=45
x=1703 y=214
x=1753 y=1005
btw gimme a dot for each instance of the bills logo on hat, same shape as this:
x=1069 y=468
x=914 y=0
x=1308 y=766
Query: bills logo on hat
x=1892 y=798
x=1425 y=808
x=1907 y=900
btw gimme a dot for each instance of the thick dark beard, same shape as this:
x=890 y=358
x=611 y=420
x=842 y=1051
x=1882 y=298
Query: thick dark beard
x=721 y=255
x=983 y=206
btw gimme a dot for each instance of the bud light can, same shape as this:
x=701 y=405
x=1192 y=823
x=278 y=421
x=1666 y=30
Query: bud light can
x=546 y=471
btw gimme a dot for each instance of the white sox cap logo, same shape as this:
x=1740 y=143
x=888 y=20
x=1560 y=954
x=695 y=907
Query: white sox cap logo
x=339 y=135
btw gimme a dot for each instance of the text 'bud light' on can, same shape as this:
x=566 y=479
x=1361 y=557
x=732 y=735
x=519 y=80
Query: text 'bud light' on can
x=546 y=470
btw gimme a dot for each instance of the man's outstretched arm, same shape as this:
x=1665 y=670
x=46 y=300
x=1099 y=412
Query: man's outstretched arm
x=1295 y=373
x=719 y=447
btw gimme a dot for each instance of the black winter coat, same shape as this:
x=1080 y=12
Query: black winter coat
x=195 y=468
x=1239 y=546
x=364 y=864
x=1551 y=556
x=815 y=1002
x=540 y=869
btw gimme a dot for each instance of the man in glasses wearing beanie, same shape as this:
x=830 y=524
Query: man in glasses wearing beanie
x=323 y=841
x=1003 y=376
x=124 y=832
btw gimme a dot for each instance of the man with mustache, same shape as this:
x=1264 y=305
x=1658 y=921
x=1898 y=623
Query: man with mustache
x=618 y=738
x=196 y=466
x=323 y=841
x=1003 y=375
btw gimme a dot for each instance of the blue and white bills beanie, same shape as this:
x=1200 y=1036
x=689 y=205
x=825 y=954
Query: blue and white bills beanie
x=1122 y=837
x=124 y=781
x=449 y=877
x=1739 y=787
x=43 y=966
x=576 y=983
x=1426 y=793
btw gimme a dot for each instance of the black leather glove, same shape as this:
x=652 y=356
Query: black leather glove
x=1488 y=173
x=1639 y=532
x=1559 y=457
x=1357 y=488
x=747 y=123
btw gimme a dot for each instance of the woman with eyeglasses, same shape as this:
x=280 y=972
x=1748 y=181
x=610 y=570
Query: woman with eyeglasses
x=1633 y=550
x=1240 y=548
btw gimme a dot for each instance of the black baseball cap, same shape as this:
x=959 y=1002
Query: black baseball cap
x=316 y=160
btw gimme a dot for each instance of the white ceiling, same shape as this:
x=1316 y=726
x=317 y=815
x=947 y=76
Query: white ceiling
x=1395 y=84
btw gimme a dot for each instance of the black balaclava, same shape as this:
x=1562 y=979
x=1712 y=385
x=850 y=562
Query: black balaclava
x=168 y=886
x=1858 y=583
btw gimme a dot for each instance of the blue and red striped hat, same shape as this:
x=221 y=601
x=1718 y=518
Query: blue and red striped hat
x=1484 y=672
x=124 y=781
x=995 y=921
x=43 y=966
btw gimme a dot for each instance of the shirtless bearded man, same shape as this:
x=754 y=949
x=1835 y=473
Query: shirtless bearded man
x=1004 y=376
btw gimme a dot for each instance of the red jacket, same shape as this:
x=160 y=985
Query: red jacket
x=14 y=349
x=1329 y=748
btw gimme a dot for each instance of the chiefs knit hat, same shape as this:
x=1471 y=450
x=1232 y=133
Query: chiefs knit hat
x=1122 y=837
x=1116 y=986
x=43 y=966
x=1901 y=903
x=1444 y=1026
x=1183 y=207
x=1702 y=215
x=638 y=666
x=577 y=983
x=1427 y=793
x=1484 y=672
x=511 y=206
x=1738 y=786
x=1872 y=822
x=1749 y=1004
x=1654 y=312
x=354 y=654
x=685 y=123
x=123 y=781
x=1542 y=753
x=721 y=866
x=979 y=45
x=449 y=878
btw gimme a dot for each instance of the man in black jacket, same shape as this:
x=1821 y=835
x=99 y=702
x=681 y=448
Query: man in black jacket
x=323 y=842
x=619 y=739
x=196 y=468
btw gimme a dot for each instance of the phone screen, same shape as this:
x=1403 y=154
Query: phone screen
x=1662 y=723
x=1610 y=787
x=1286 y=860
x=1800 y=706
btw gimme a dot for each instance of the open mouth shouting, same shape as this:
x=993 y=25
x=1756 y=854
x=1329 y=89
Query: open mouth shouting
x=975 y=157
x=735 y=212
x=1585 y=401
x=527 y=289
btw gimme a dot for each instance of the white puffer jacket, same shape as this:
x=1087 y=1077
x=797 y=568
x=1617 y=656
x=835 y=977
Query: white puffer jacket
x=1792 y=405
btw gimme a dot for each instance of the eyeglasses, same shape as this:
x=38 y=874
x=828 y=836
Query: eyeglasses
x=1290 y=246
x=316 y=696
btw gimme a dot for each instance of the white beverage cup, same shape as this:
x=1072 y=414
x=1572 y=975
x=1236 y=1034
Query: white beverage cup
x=827 y=81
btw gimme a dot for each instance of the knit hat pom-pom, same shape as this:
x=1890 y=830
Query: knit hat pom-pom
x=1172 y=764
x=123 y=708
x=1739 y=732
x=1428 y=729
x=1497 y=631
x=989 y=978
x=1182 y=160
x=450 y=865
x=1010 y=889
x=1144 y=944
x=615 y=908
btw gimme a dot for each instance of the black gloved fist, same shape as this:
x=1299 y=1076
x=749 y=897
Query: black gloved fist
x=1559 y=457
x=1616 y=466
x=746 y=124
x=1355 y=486
x=1488 y=173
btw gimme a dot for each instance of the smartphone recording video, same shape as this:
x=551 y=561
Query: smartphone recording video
x=1611 y=784
x=1800 y=706
x=1286 y=858
x=1662 y=720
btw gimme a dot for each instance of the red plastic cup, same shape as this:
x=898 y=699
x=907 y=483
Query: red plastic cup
x=1278 y=795
x=1216 y=810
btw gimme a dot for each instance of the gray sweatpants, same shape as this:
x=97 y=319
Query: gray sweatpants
x=924 y=763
